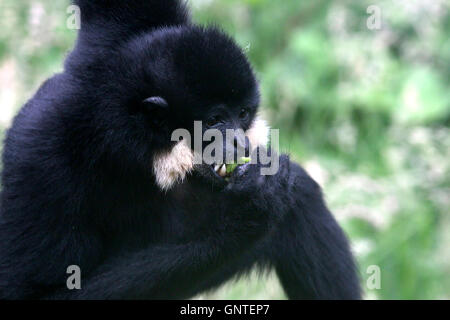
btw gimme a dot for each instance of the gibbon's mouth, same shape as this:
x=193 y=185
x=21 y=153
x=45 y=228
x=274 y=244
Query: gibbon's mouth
x=225 y=171
x=220 y=170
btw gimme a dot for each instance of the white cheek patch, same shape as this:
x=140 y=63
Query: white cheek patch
x=258 y=134
x=172 y=167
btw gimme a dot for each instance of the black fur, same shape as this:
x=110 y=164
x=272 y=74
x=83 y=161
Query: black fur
x=78 y=186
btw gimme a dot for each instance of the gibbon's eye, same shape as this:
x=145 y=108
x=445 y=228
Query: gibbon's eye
x=213 y=121
x=243 y=115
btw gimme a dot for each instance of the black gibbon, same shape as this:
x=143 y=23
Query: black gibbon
x=91 y=177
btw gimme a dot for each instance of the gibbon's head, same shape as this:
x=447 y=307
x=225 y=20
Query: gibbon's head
x=179 y=75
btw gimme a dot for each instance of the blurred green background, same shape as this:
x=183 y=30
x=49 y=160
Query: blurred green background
x=367 y=112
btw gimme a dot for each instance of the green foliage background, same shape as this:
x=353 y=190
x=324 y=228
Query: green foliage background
x=367 y=112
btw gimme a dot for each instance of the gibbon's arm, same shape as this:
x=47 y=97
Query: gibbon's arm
x=153 y=273
x=309 y=250
x=311 y=254
x=149 y=274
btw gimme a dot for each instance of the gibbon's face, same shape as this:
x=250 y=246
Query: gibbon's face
x=196 y=74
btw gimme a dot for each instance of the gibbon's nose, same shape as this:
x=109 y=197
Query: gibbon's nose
x=242 y=145
x=236 y=146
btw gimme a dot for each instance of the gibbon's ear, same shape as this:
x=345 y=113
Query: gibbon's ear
x=156 y=108
x=154 y=103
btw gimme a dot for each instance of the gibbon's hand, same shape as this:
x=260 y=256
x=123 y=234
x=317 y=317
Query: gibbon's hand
x=267 y=193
